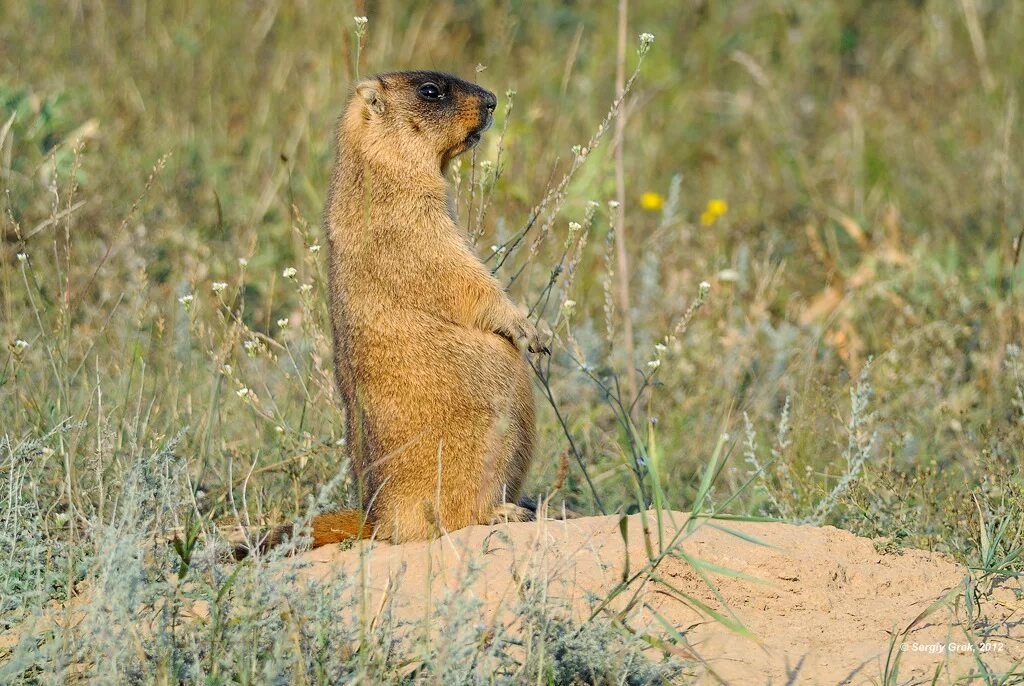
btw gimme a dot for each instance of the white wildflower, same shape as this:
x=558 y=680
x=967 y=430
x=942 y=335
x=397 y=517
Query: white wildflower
x=315 y=248
x=186 y=300
x=279 y=429
x=660 y=347
x=646 y=39
x=20 y=345
x=360 y=21
x=282 y=323
x=22 y=257
x=575 y=226
x=242 y=392
x=289 y=272
x=305 y=288
x=613 y=204
x=242 y=262
x=654 y=364
x=704 y=288
x=218 y=286
x=251 y=346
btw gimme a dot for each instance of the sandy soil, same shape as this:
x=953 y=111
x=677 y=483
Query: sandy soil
x=821 y=606
x=824 y=606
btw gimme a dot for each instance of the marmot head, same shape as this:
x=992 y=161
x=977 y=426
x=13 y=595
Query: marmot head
x=419 y=117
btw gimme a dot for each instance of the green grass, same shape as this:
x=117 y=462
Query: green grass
x=869 y=154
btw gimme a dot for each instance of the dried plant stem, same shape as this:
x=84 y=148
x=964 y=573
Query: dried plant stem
x=556 y=194
x=622 y=259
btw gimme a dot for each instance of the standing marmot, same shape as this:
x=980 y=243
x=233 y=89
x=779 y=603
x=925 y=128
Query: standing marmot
x=428 y=348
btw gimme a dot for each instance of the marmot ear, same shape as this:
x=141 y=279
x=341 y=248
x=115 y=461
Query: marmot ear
x=369 y=91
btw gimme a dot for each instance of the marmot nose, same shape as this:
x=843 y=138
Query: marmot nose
x=490 y=102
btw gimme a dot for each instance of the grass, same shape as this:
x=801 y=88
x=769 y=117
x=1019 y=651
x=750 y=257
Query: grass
x=166 y=362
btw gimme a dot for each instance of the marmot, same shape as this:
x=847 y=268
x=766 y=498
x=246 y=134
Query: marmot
x=428 y=348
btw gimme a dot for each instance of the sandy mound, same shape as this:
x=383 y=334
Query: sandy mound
x=824 y=605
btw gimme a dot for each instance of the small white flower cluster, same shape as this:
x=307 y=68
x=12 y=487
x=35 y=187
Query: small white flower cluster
x=613 y=204
x=360 y=25
x=315 y=248
x=499 y=249
x=252 y=347
x=187 y=301
x=19 y=346
x=659 y=350
x=574 y=228
x=218 y=286
x=703 y=289
x=282 y=323
x=305 y=288
x=569 y=307
x=22 y=257
x=580 y=152
x=289 y=272
x=646 y=39
x=242 y=262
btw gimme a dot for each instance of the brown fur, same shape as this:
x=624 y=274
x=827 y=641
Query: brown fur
x=428 y=348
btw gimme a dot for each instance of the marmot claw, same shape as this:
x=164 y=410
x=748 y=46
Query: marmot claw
x=529 y=337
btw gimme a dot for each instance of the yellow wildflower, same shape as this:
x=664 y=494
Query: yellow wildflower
x=651 y=201
x=715 y=209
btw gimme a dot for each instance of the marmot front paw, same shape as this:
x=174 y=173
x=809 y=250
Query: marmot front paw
x=527 y=336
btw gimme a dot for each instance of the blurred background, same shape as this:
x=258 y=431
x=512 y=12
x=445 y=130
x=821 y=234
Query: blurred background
x=846 y=176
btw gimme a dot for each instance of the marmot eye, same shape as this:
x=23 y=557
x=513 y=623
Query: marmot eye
x=430 y=91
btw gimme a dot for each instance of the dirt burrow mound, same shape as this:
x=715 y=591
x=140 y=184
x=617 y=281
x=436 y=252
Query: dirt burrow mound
x=823 y=605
